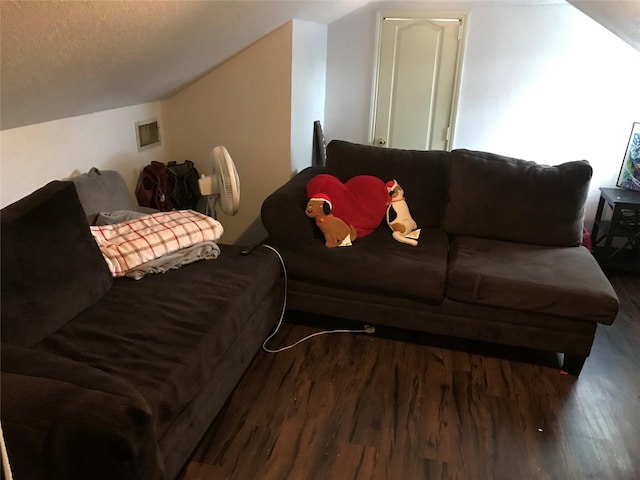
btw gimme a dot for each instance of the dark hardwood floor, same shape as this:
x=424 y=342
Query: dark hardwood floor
x=375 y=407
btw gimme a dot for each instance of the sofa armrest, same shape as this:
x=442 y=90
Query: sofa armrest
x=64 y=419
x=283 y=211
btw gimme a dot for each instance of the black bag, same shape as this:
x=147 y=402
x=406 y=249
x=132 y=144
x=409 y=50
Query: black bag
x=151 y=190
x=183 y=186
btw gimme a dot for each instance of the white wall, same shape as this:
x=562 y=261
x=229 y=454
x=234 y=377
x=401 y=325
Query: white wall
x=34 y=155
x=351 y=47
x=309 y=60
x=541 y=82
x=245 y=105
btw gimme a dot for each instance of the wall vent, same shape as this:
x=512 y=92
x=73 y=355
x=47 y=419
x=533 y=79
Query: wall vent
x=148 y=134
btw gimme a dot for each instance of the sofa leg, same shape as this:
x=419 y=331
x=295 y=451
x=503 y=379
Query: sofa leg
x=573 y=363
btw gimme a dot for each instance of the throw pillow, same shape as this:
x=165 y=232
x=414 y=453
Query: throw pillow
x=361 y=201
x=52 y=268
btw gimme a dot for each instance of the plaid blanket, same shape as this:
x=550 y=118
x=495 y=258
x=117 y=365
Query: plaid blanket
x=129 y=244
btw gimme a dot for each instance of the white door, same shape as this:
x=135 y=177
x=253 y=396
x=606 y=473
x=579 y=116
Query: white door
x=417 y=81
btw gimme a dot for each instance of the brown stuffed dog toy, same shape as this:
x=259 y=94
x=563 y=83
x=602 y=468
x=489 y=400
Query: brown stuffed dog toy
x=336 y=232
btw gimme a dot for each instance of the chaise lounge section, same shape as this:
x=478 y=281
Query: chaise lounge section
x=107 y=378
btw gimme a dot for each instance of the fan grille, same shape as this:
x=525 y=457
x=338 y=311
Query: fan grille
x=227 y=175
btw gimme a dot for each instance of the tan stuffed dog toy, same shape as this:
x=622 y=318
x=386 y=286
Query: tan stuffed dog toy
x=336 y=232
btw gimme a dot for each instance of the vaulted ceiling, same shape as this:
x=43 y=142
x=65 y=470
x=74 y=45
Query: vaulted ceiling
x=622 y=17
x=67 y=58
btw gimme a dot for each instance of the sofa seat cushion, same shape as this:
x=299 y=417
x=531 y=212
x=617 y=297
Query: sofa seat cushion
x=562 y=281
x=165 y=334
x=376 y=263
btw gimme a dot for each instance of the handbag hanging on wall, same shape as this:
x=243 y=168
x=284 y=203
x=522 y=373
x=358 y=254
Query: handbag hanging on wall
x=152 y=187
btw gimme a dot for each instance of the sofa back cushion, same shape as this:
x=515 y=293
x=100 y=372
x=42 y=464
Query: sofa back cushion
x=52 y=268
x=422 y=174
x=504 y=198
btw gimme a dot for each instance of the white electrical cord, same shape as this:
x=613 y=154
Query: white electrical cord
x=6 y=467
x=366 y=329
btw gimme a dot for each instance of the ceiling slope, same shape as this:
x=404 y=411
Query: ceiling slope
x=621 y=17
x=67 y=58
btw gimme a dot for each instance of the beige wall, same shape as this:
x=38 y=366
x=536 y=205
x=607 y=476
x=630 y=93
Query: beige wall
x=245 y=105
x=34 y=155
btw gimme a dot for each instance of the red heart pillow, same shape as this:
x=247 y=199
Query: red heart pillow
x=361 y=201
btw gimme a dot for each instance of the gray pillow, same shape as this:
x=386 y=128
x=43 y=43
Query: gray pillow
x=117 y=216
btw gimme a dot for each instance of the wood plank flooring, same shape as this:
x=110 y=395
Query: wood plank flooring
x=374 y=407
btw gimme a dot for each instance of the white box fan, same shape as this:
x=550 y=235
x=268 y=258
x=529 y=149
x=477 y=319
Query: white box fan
x=223 y=185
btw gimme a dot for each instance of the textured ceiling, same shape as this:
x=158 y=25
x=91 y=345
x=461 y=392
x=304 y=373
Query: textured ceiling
x=67 y=58
x=622 y=17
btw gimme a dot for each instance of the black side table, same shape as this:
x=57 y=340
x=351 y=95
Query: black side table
x=624 y=223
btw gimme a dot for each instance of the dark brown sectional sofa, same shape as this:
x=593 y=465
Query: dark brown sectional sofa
x=499 y=258
x=108 y=378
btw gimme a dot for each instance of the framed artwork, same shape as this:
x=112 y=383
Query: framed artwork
x=630 y=171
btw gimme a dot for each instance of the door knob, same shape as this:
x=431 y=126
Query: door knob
x=381 y=141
